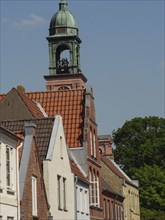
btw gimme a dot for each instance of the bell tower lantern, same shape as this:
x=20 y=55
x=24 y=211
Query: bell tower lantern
x=63 y=37
x=64 y=50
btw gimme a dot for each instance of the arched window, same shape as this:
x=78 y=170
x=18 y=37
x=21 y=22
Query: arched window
x=91 y=142
x=91 y=186
x=94 y=188
x=98 y=191
x=94 y=145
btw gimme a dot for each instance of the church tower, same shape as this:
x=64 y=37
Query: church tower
x=64 y=52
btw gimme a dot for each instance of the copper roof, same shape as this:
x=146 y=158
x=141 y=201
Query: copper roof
x=43 y=132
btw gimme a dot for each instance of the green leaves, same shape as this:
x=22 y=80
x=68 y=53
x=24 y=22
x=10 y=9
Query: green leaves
x=140 y=150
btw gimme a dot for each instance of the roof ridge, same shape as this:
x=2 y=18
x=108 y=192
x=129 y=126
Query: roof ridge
x=32 y=119
x=30 y=104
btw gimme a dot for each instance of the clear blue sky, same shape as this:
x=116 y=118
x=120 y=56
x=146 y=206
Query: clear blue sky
x=122 y=53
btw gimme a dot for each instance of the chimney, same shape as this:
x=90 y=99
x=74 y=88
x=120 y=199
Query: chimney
x=21 y=89
x=105 y=145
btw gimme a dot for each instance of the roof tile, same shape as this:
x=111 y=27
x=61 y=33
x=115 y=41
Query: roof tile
x=43 y=132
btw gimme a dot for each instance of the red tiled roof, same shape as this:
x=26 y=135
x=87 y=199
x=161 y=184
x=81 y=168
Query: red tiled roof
x=32 y=106
x=77 y=171
x=2 y=96
x=43 y=132
x=70 y=105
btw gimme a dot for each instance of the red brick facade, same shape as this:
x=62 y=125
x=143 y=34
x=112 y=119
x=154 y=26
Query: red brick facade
x=26 y=203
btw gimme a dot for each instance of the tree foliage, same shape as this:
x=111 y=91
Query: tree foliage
x=140 y=151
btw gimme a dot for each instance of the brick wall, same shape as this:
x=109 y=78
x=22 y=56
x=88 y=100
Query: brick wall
x=26 y=203
x=111 y=178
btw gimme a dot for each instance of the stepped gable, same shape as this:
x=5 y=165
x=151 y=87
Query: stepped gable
x=70 y=104
x=43 y=132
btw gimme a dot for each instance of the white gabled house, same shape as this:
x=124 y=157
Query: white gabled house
x=9 y=175
x=81 y=187
x=59 y=180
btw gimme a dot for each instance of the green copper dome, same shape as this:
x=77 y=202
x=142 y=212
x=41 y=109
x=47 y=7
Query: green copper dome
x=63 y=22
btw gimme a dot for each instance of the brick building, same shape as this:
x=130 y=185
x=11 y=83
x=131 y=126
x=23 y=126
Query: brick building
x=68 y=95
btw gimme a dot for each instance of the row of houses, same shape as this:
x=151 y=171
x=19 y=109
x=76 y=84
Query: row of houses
x=53 y=163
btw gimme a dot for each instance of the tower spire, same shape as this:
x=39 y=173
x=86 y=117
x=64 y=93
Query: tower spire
x=63 y=39
x=63 y=5
x=64 y=51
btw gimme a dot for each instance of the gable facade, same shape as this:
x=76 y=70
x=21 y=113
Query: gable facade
x=59 y=179
x=9 y=175
x=34 y=204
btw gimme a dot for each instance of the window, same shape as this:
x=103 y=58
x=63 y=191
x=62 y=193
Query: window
x=34 y=195
x=105 y=210
x=8 y=166
x=59 y=191
x=77 y=194
x=94 y=189
x=116 y=209
x=113 y=211
x=10 y=218
x=108 y=210
x=81 y=200
x=118 y=213
x=0 y=217
x=91 y=141
x=61 y=148
x=98 y=191
x=86 y=202
x=94 y=145
x=64 y=192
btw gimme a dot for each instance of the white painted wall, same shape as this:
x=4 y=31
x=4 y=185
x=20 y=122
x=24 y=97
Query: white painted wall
x=82 y=200
x=57 y=163
x=9 y=204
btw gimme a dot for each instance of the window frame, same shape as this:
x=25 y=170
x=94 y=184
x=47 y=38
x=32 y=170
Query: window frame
x=34 y=195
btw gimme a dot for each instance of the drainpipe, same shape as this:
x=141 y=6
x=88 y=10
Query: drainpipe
x=75 y=195
x=17 y=179
x=124 y=205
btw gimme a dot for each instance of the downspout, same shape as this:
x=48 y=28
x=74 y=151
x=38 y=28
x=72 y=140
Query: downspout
x=75 y=195
x=124 y=205
x=17 y=180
